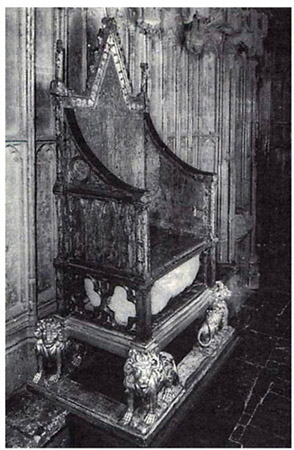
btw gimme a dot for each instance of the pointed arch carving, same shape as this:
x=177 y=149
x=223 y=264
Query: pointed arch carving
x=109 y=47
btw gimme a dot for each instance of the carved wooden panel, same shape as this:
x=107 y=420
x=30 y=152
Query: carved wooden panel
x=226 y=166
x=15 y=73
x=51 y=26
x=178 y=200
x=280 y=158
x=239 y=130
x=274 y=134
x=16 y=264
x=169 y=95
x=45 y=42
x=46 y=220
x=208 y=93
x=77 y=49
x=102 y=232
x=208 y=147
x=114 y=132
x=16 y=376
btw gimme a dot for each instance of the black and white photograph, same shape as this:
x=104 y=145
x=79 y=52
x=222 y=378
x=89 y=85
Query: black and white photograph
x=148 y=227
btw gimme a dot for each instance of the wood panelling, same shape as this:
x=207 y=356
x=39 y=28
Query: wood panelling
x=51 y=26
x=46 y=238
x=16 y=65
x=45 y=46
x=20 y=248
x=16 y=264
x=77 y=49
x=274 y=136
x=20 y=192
x=16 y=375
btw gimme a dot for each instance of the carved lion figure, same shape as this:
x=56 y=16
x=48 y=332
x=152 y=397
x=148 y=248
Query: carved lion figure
x=146 y=373
x=216 y=316
x=51 y=345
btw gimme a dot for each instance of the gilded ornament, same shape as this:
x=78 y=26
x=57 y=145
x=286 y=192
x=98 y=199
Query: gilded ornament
x=216 y=316
x=51 y=345
x=146 y=374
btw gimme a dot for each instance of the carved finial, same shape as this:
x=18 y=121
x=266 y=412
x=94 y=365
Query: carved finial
x=144 y=81
x=59 y=45
x=59 y=61
x=144 y=77
x=109 y=24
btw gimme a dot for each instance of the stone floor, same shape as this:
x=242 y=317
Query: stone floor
x=33 y=422
x=246 y=405
x=265 y=355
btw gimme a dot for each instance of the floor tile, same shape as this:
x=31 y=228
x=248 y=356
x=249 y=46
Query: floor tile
x=237 y=432
x=256 y=347
x=256 y=438
x=281 y=354
x=245 y=418
x=274 y=402
x=252 y=404
x=282 y=387
x=232 y=444
x=273 y=416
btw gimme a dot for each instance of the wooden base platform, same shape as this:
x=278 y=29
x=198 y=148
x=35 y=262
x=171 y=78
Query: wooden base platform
x=105 y=413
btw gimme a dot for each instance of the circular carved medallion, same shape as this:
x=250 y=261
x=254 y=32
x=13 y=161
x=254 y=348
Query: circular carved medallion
x=80 y=171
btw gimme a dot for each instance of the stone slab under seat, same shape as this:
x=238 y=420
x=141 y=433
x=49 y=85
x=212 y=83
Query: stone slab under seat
x=168 y=324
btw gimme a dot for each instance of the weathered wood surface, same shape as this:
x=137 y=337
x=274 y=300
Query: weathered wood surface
x=179 y=193
x=107 y=151
x=46 y=225
x=114 y=133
